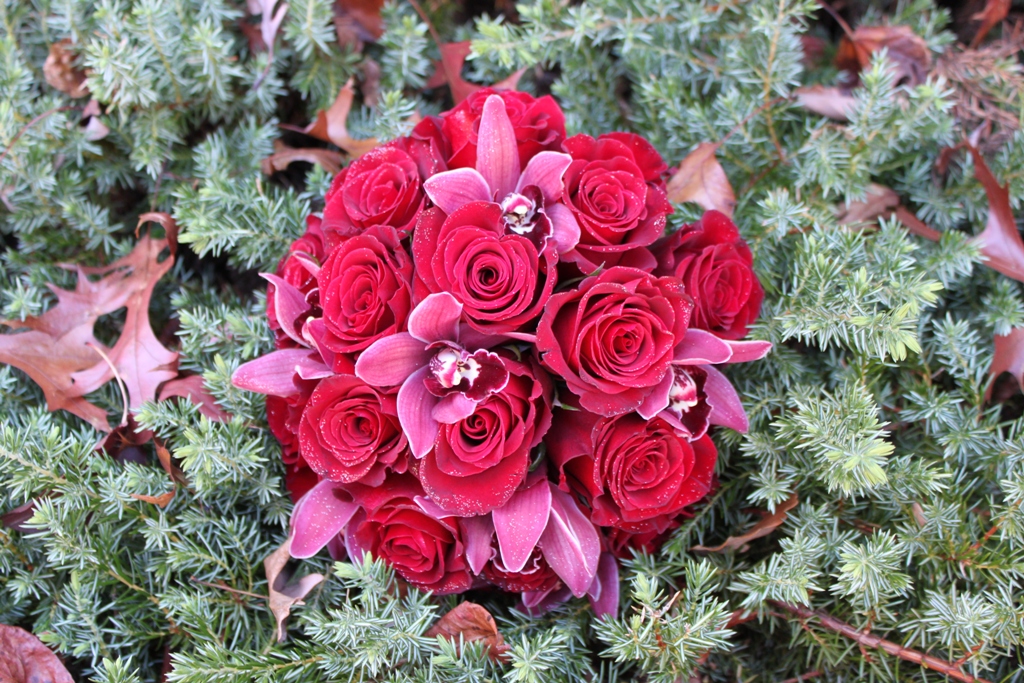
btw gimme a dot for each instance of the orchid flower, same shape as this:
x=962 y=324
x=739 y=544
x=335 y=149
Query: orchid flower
x=441 y=379
x=529 y=198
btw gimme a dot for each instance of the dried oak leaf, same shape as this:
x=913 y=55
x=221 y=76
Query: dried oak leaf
x=60 y=73
x=473 y=623
x=878 y=201
x=449 y=70
x=282 y=593
x=831 y=101
x=995 y=11
x=24 y=659
x=165 y=221
x=160 y=501
x=762 y=528
x=285 y=156
x=167 y=462
x=17 y=517
x=194 y=389
x=332 y=126
x=700 y=179
x=1000 y=241
x=1008 y=357
x=357 y=22
x=907 y=50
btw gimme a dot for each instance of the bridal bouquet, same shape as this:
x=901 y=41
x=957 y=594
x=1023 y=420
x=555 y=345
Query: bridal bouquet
x=492 y=366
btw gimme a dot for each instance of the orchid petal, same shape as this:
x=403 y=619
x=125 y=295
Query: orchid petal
x=604 y=592
x=545 y=171
x=726 y=407
x=453 y=408
x=314 y=369
x=454 y=189
x=318 y=517
x=536 y=603
x=657 y=400
x=746 y=351
x=430 y=508
x=471 y=339
x=289 y=305
x=313 y=332
x=520 y=523
x=497 y=154
x=698 y=347
x=273 y=374
x=570 y=543
x=436 y=318
x=415 y=406
x=477 y=533
x=565 y=231
x=387 y=362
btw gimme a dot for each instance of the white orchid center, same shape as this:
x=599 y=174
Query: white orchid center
x=450 y=367
x=683 y=395
x=519 y=213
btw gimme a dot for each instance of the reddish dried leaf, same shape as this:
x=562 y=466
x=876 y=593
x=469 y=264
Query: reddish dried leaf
x=473 y=623
x=24 y=659
x=270 y=20
x=879 y=201
x=357 y=22
x=371 y=81
x=915 y=225
x=908 y=51
x=700 y=179
x=167 y=222
x=194 y=389
x=283 y=594
x=124 y=443
x=1000 y=241
x=1008 y=357
x=17 y=517
x=278 y=161
x=160 y=501
x=762 y=528
x=332 y=126
x=167 y=462
x=60 y=73
x=833 y=102
x=96 y=130
x=449 y=70
x=995 y=11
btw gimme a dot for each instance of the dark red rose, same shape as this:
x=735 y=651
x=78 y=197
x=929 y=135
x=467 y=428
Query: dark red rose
x=539 y=125
x=479 y=461
x=365 y=290
x=425 y=551
x=716 y=268
x=350 y=432
x=500 y=279
x=622 y=543
x=615 y=189
x=299 y=479
x=636 y=474
x=536 y=575
x=283 y=417
x=293 y=269
x=612 y=339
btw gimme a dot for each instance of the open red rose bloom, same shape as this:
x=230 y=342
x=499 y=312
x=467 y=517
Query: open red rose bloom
x=493 y=367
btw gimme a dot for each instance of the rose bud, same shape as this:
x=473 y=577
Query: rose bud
x=297 y=268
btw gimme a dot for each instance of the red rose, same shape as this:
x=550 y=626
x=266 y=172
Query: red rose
x=478 y=462
x=716 y=267
x=636 y=474
x=615 y=189
x=293 y=269
x=500 y=279
x=612 y=339
x=350 y=432
x=425 y=551
x=539 y=125
x=536 y=575
x=365 y=290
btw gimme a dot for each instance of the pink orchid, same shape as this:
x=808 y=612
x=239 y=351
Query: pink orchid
x=529 y=198
x=441 y=379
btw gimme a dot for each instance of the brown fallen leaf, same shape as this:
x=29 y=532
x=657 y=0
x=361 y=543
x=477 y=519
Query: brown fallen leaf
x=17 y=517
x=60 y=72
x=328 y=159
x=24 y=659
x=194 y=389
x=124 y=443
x=700 y=179
x=473 y=623
x=762 y=528
x=907 y=50
x=995 y=11
x=160 y=501
x=167 y=462
x=830 y=101
x=449 y=70
x=879 y=201
x=1007 y=357
x=1000 y=241
x=283 y=594
x=332 y=125
x=918 y=512
x=357 y=22
x=371 y=81
x=165 y=221
x=915 y=225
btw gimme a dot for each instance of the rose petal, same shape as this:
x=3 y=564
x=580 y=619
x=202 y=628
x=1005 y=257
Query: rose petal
x=745 y=351
x=726 y=407
x=415 y=408
x=545 y=171
x=520 y=523
x=273 y=374
x=430 y=508
x=570 y=543
x=454 y=189
x=389 y=361
x=289 y=305
x=604 y=592
x=318 y=517
x=657 y=400
x=565 y=229
x=497 y=155
x=453 y=408
x=699 y=347
x=436 y=318
x=477 y=533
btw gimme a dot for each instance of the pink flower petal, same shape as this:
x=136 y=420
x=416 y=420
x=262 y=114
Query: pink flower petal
x=454 y=189
x=415 y=408
x=389 y=361
x=497 y=155
x=520 y=523
x=604 y=592
x=430 y=508
x=313 y=333
x=453 y=408
x=436 y=318
x=657 y=400
x=273 y=374
x=545 y=171
x=698 y=347
x=318 y=517
x=289 y=305
x=565 y=229
x=570 y=543
x=537 y=603
x=477 y=533
x=726 y=407
x=746 y=351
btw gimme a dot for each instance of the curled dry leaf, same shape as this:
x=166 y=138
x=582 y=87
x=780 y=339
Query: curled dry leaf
x=60 y=73
x=357 y=22
x=24 y=659
x=1007 y=357
x=17 y=517
x=1000 y=241
x=160 y=501
x=762 y=528
x=332 y=126
x=473 y=623
x=282 y=593
x=878 y=201
x=830 y=101
x=915 y=225
x=285 y=156
x=449 y=70
x=700 y=179
x=995 y=11
x=194 y=389
x=907 y=50
x=163 y=454
x=165 y=221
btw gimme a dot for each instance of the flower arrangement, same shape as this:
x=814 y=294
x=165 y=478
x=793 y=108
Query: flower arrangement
x=492 y=367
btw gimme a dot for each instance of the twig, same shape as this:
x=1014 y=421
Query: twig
x=870 y=640
x=451 y=78
x=120 y=382
x=222 y=586
x=31 y=123
x=746 y=119
x=839 y=20
x=996 y=525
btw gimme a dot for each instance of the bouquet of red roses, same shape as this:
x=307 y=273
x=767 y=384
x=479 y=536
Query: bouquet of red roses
x=493 y=368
